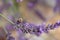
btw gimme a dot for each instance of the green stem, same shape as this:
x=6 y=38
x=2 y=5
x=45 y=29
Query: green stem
x=6 y=18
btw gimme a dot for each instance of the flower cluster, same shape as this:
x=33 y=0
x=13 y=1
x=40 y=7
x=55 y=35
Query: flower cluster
x=37 y=30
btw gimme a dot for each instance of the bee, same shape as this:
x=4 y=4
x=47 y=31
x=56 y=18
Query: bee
x=20 y=20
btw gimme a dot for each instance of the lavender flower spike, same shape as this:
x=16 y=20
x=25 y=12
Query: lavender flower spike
x=57 y=7
x=57 y=24
x=5 y=6
x=31 y=3
x=39 y=14
x=10 y=38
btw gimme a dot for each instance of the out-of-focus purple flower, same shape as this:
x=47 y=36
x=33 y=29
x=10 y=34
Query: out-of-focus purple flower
x=44 y=29
x=10 y=17
x=1 y=9
x=22 y=38
x=10 y=2
x=37 y=31
x=9 y=27
x=51 y=27
x=39 y=14
x=31 y=3
x=19 y=1
x=58 y=2
x=48 y=26
x=57 y=24
x=20 y=35
x=10 y=38
x=5 y=6
x=29 y=25
x=57 y=7
x=30 y=28
x=34 y=30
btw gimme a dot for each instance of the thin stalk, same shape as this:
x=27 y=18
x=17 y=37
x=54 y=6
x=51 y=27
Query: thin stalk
x=7 y=19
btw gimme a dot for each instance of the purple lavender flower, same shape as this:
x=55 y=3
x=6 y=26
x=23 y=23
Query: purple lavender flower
x=27 y=27
x=58 y=2
x=57 y=7
x=51 y=27
x=10 y=38
x=37 y=31
x=39 y=14
x=22 y=38
x=5 y=6
x=45 y=30
x=21 y=35
x=34 y=30
x=10 y=17
x=57 y=24
x=1 y=9
x=32 y=3
x=9 y=27
x=30 y=28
